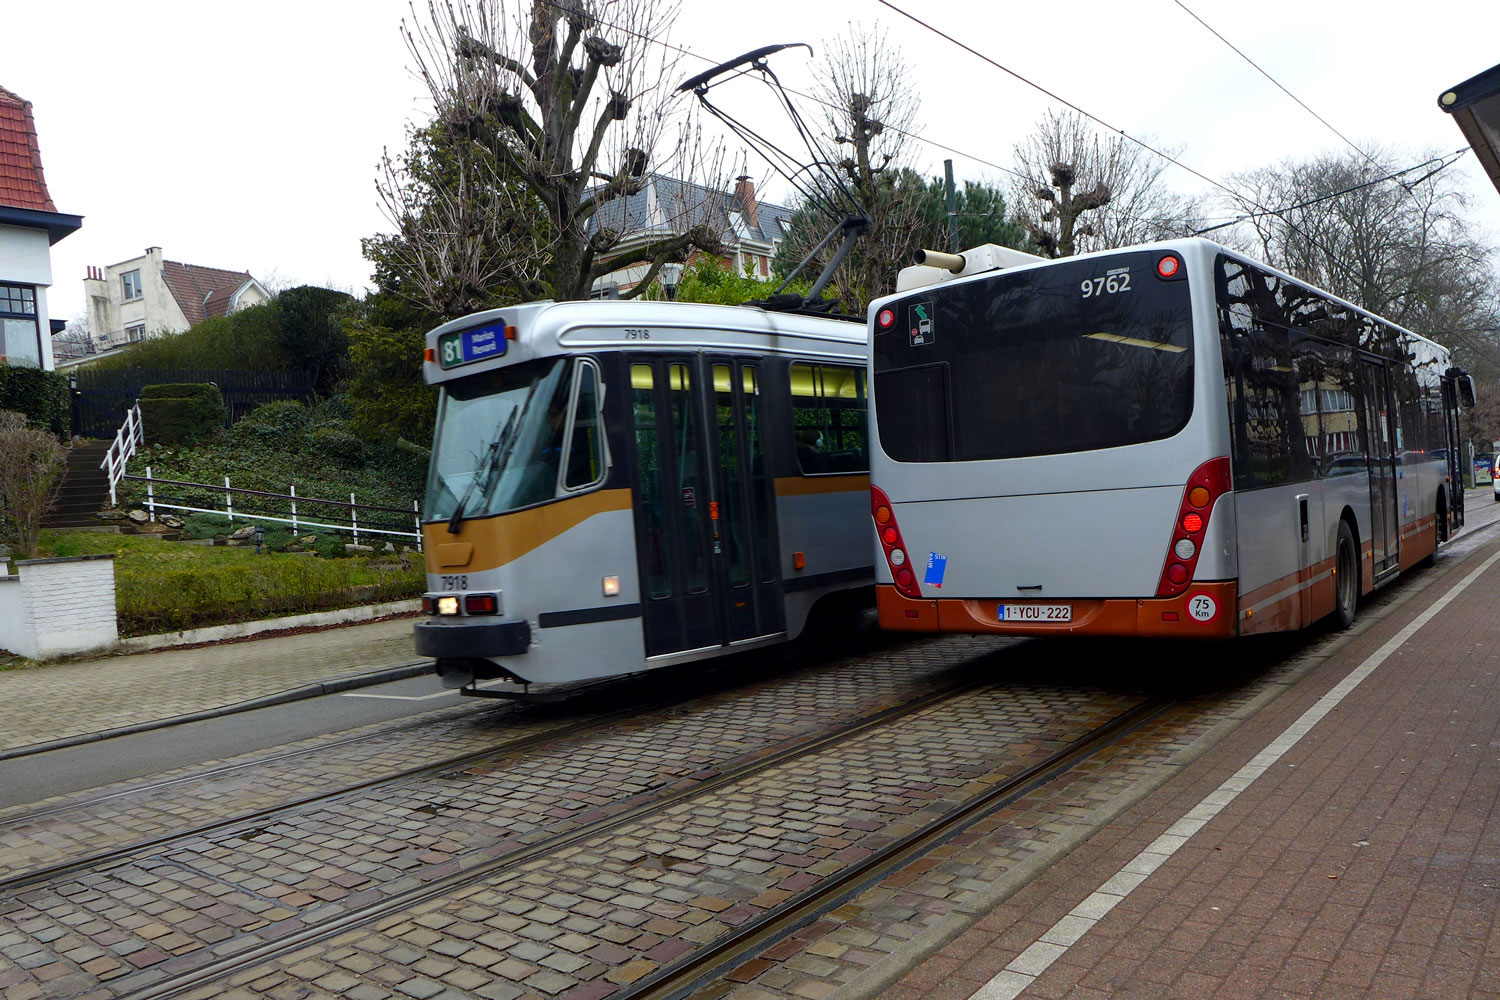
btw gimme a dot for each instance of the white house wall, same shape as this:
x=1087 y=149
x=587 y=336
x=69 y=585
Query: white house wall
x=26 y=259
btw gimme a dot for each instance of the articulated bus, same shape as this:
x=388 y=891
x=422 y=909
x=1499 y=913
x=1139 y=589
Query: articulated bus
x=616 y=486
x=1166 y=440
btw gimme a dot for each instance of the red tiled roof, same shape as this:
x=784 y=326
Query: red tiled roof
x=201 y=292
x=21 y=182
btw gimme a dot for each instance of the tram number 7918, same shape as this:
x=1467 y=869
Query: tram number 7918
x=456 y=582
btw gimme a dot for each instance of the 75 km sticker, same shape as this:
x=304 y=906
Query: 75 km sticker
x=1202 y=608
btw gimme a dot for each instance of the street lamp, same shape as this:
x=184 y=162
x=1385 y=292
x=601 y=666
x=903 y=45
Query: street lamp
x=671 y=275
x=260 y=536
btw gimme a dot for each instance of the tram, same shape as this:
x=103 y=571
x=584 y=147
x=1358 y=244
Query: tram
x=622 y=485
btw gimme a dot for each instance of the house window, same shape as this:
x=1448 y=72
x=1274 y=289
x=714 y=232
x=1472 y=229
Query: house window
x=136 y=333
x=130 y=282
x=20 y=334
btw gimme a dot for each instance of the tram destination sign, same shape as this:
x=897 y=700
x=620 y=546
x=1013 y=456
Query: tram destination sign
x=464 y=347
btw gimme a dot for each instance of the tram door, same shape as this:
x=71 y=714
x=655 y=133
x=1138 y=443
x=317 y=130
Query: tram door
x=705 y=531
x=1380 y=457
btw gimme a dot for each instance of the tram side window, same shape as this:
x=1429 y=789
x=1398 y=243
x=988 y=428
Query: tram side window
x=585 y=447
x=829 y=414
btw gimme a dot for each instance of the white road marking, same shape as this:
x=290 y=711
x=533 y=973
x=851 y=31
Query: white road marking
x=451 y=692
x=1031 y=963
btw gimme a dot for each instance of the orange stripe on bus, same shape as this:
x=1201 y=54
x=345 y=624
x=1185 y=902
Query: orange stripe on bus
x=800 y=486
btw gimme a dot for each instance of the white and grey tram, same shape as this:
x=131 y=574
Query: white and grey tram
x=617 y=486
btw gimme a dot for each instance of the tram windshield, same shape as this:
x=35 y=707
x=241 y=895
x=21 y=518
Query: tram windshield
x=499 y=440
x=1075 y=356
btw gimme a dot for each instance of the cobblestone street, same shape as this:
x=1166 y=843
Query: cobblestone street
x=758 y=837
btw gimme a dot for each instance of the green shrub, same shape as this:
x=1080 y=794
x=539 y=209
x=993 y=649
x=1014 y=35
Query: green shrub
x=181 y=412
x=338 y=446
x=279 y=423
x=277 y=539
x=205 y=525
x=41 y=396
x=330 y=546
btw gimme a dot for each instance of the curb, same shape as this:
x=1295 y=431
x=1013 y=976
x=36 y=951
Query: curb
x=243 y=630
x=416 y=668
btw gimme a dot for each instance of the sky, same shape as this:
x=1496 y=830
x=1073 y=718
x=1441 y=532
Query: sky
x=248 y=138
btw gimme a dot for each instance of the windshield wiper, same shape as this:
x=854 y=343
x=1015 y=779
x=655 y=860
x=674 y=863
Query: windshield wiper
x=482 y=472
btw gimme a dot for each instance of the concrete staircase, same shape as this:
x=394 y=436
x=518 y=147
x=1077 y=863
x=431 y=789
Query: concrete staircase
x=85 y=488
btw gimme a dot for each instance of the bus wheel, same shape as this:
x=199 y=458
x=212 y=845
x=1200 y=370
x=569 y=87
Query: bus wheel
x=1346 y=583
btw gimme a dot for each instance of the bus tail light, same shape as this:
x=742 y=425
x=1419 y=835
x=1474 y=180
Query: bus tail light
x=1210 y=481
x=892 y=544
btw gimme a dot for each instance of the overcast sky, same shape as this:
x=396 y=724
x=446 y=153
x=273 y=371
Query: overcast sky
x=247 y=137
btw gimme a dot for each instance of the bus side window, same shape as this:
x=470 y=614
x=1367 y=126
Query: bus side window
x=829 y=415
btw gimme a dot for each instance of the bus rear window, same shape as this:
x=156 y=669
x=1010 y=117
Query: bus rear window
x=1071 y=357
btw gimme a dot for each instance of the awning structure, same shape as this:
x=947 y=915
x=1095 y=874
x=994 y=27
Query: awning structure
x=1475 y=105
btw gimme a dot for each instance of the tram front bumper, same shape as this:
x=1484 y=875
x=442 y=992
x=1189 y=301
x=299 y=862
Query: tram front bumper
x=465 y=640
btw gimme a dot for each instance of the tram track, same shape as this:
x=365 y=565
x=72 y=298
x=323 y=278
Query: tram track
x=698 y=969
x=472 y=870
x=632 y=707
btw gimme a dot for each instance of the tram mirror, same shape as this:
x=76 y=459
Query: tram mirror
x=1466 y=396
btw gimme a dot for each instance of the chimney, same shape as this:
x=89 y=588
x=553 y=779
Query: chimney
x=744 y=196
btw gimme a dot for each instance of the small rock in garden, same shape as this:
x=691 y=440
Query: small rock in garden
x=170 y=521
x=240 y=534
x=139 y=517
x=389 y=547
x=308 y=539
x=110 y=515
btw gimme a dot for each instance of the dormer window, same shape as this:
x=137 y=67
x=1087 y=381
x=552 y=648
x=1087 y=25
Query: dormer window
x=130 y=284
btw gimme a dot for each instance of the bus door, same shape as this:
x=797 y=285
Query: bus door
x=1455 y=458
x=704 y=517
x=1380 y=458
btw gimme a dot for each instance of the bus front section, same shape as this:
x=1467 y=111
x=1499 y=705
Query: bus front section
x=524 y=537
x=1046 y=460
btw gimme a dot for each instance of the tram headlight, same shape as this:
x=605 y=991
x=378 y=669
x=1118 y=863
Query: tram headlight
x=447 y=605
x=611 y=586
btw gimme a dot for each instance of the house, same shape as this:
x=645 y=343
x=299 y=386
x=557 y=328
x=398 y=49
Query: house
x=149 y=296
x=29 y=224
x=751 y=231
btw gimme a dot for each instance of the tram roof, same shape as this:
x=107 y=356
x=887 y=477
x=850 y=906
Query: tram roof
x=1475 y=106
x=498 y=337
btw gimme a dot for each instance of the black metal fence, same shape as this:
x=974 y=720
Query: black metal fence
x=100 y=398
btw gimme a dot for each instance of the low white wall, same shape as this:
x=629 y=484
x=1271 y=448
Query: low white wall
x=16 y=635
x=60 y=607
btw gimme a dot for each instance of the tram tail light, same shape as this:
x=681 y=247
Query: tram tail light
x=892 y=544
x=481 y=604
x=429 y=604
x=1208 y=482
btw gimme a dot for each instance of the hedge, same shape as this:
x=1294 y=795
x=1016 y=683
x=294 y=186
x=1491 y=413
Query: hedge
x=41 y=395
x=180 y=412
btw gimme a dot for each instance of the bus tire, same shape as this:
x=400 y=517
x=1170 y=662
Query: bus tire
x=1346 y=577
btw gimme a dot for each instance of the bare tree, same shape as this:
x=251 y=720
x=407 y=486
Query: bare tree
x=31 y=468
x=870 y=109
x=1077 y=191
x=1403 y=250
x=549 y=109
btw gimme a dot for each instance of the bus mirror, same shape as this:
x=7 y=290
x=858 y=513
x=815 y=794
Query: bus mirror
x=1466 y=391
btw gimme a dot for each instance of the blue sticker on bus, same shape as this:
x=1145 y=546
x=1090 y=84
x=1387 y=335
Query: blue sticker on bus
x=937 y=565
x=465 y=346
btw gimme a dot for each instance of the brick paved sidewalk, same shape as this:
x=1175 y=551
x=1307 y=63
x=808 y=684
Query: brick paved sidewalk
x=1362 y=862
x=41 y=704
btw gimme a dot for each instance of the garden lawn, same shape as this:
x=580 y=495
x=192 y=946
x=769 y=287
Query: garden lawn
x=166 y=586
